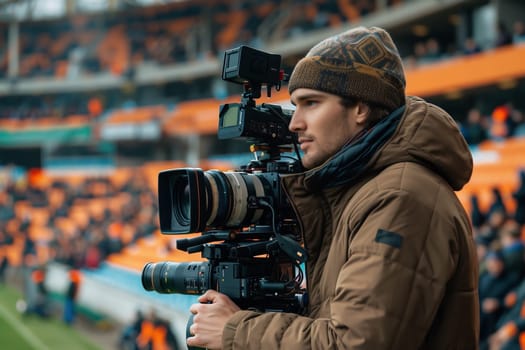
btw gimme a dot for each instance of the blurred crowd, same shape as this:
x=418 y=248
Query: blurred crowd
x=86 y=221
x=79 y=224
x=431 y=50
x=500 y=240
x=194 y=30
x=147 y=332
x=168 y=34
x=182 y=32
x=502 y=122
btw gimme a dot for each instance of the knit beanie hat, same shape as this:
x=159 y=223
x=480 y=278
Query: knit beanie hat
x=361 y=63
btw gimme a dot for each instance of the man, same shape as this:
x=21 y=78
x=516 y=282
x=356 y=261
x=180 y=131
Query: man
x=391 y=259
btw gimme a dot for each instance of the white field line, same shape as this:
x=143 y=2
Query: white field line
x=22 y=330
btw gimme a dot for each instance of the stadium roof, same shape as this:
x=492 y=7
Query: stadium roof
x=19 y=10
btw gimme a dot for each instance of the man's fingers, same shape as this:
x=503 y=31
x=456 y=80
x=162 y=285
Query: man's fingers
x=209 y=296
x=192 y=329
x=194 y=308
x=195 y=341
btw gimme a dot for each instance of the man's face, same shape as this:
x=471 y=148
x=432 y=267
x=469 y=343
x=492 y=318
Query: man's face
x=323 y=124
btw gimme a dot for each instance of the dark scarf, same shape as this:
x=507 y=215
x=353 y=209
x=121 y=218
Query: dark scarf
x=351 y=161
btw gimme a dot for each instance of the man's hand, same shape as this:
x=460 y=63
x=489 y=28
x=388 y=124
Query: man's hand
x=209 y=319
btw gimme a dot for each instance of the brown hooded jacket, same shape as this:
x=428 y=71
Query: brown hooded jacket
x=391 y=259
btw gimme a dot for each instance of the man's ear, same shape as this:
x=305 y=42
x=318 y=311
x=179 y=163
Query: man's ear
x=362 y=113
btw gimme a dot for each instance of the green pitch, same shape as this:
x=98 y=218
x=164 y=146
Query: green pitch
x=19 y=332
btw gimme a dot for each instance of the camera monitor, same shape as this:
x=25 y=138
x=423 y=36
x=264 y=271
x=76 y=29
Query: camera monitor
x=244 y=65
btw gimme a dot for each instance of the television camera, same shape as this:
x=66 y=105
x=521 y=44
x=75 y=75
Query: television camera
x=249 y=232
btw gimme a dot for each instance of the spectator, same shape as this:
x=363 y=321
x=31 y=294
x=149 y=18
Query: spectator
x=6 y=207
x=519 y=196
x=155 y=334
x=95 y=107
x=499 y=125
x=433 y=51
x=163 y=338
x=475 y=128
x=71 y=296
x=147 y=326
x=511 y=325
x=489 y=232
x=518 y=35
x=494 y=284
x=128 y=337
x=476 y=214
x=512 y=247
x=4 y=263
x=498 y=204
x=503 y=35
x=36 y=293
x=482 y=250
x=420 y=51
x=471 y=47
x=516 y=123
x=93 y=256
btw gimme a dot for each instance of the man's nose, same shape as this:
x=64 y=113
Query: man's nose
x=296 y=123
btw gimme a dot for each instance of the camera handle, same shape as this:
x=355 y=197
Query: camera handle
x=188 y=334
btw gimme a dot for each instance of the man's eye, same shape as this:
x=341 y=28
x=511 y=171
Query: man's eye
x=311 y=103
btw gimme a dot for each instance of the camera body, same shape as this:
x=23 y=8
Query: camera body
x=249 y=232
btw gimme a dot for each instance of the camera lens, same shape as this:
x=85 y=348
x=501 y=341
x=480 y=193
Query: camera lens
x=182 y=204
x=170 y=277
x=229 y=193
x=193 y=200
x=181 y=200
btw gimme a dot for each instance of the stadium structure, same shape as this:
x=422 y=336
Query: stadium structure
x=97 y=97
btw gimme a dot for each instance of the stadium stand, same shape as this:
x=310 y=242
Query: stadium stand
x=86 y=79
x=162 y=34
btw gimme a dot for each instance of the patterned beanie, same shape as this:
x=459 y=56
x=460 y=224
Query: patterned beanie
x=361 y=63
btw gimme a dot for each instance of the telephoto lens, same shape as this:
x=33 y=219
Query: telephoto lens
x=171 y=277
x=192 y=200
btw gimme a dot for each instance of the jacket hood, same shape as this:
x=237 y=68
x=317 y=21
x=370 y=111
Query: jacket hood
x=419 y=132
x=429 y=136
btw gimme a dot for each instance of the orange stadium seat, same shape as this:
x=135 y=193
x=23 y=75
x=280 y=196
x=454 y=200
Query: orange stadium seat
x=152 y=249
x=13 y=252
x=9 y=123
x=22 y=208
x=71 y=179
x=233 y=22
x=115 y=203
x=80 y=216
x=491 y=175
x=114 y=51
x=151 y=171
x=61 y=68
x=120 y=176
x=202 y=116
x=349 y=10
x=67 y=226
x=76 y=120
x=502 y=174
x=195 y=117
x=40 y=234
x=39 y=216
x=137 y=115
x=216 y=165
x=180 y=25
